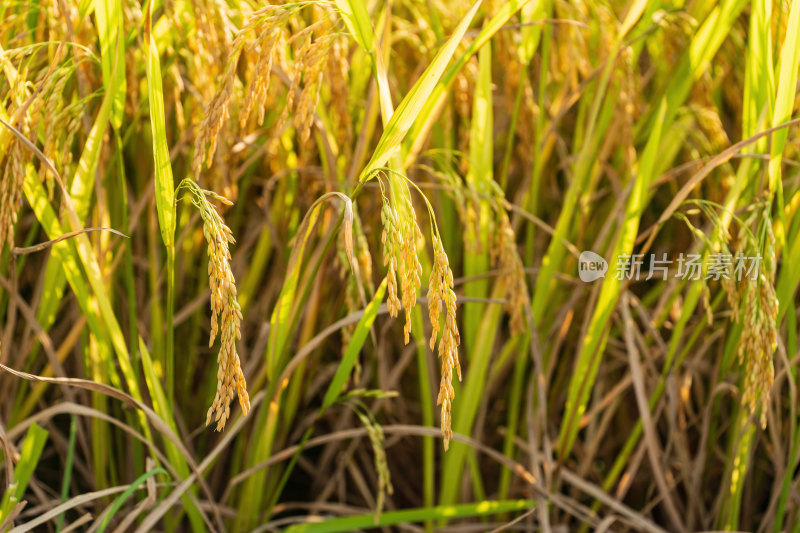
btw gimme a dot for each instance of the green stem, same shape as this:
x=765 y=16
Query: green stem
x=169 y=374
x=426 y=405
x=73 y=429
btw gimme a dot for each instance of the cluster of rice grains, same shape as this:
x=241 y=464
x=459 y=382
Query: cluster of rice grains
x=262 y=41
x=376 y=439
x=226 y=314
x=760 y=336
x=13 y=174
x=33 y=105
x=267 y=43
x=505 y=256
x=753 y=296
x=12 y=170
x=217 y=110
x=440 y=291
x=309 y=64
x=399 y=239
x=400 y=233
x=400 y=236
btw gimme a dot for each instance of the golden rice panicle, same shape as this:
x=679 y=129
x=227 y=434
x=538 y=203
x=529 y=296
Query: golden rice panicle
x=226 y=313
x=267 y=24
x=313 y=62
x=440 y=291
x=303 y=78
x=434 y=303
x=259 y=85
x=759 y=336
x=363 y=255
x=399 y=239
x=410 y=268
x=337 y=74
x=506 y=257
x=216 y=111
x=10 y=193
x=58 y=119
x=13 y=172
x=390 y=239
x=212 y=29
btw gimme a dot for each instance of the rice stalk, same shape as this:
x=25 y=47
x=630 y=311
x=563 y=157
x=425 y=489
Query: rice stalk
x=226 y=314
x=440 y=293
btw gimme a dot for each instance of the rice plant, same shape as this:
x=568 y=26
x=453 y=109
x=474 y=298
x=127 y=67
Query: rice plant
x=345 y=265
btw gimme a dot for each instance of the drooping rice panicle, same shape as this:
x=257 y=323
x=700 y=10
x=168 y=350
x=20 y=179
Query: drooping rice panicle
x=226 y=313
x=440 y=293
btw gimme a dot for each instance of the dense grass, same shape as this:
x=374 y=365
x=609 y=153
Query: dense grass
x=380 y=208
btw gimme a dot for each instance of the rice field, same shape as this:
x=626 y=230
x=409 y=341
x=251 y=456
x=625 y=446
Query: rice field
x=415 y=265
